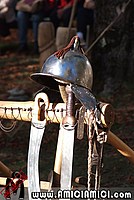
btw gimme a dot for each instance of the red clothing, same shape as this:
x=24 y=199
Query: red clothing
x=61 y=3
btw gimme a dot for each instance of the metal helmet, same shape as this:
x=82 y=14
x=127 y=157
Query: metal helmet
x=73 y=67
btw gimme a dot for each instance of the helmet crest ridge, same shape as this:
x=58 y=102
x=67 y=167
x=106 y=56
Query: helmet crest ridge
x=68 y=65
x=60 y=53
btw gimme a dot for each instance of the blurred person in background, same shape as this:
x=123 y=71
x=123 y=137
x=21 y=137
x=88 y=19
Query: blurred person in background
x=24 y=20
x=60 y=12
x=7 y=16
x=84 y=18
x=57 y=11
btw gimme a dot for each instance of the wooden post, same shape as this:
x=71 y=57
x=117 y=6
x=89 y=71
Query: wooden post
x=5 y=170
x=121 y=146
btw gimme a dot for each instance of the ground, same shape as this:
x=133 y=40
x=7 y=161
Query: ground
x=15 y=73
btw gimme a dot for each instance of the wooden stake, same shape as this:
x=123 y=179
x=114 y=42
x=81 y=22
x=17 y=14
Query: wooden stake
x=5 y=170
x=121 y=146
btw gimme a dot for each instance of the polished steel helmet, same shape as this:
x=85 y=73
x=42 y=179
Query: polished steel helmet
x=72 y=67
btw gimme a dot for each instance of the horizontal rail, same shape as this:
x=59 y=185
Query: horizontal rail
x=54 y=114
x=16 y=110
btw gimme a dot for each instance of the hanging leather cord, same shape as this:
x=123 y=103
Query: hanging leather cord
x=60 y=53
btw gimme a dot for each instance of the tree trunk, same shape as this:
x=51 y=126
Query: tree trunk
x=113 y=55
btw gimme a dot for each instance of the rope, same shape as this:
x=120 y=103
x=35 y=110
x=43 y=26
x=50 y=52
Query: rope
x=8 y=129
x=90 y=144
x=5 y=116
x=94 y=153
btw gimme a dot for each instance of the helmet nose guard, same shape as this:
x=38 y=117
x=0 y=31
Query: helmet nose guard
x=66 y=66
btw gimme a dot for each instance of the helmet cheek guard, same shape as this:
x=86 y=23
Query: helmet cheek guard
x=68 y=65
